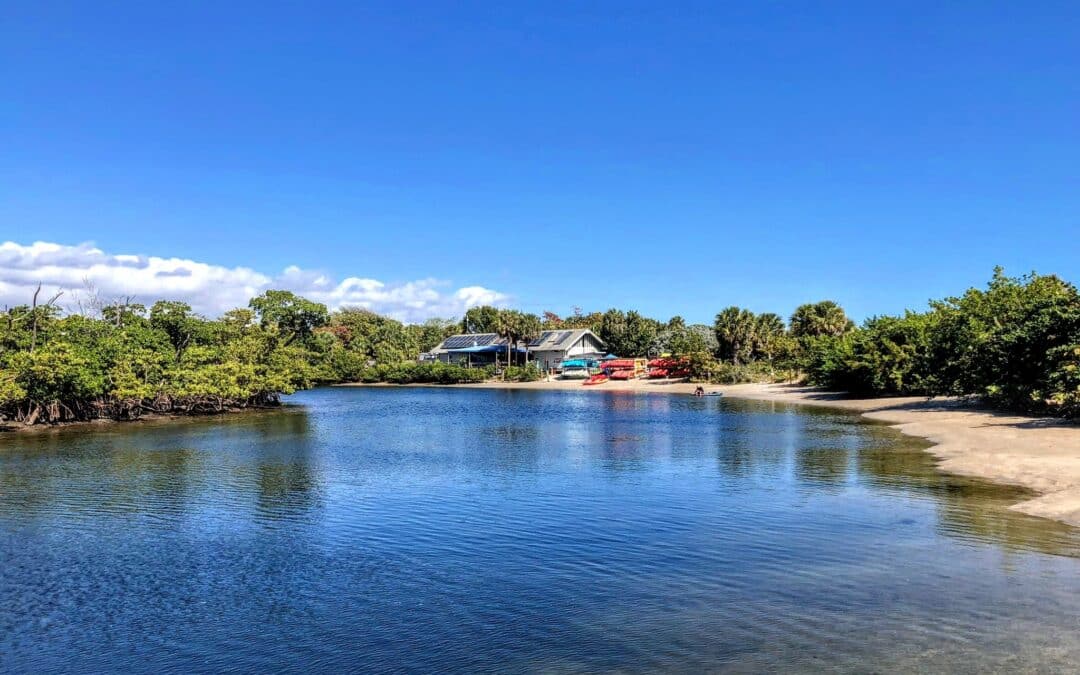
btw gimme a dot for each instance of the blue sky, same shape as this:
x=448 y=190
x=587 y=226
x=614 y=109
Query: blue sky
x=675 y=158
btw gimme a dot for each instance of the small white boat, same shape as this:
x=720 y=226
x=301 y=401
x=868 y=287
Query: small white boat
x=574 y=373
x=578 y=369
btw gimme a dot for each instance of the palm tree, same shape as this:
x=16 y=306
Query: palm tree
x=515 y=326
x=768 y=334
x=820 y=318
x=735 y=328
x=768 y=329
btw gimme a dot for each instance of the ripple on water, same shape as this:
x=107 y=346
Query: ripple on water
x=471 y=530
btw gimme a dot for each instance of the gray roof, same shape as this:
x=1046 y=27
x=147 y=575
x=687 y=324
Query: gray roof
x=467 y=340
x=561 y=340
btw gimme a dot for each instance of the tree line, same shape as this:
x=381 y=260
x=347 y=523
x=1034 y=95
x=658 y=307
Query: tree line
x=123 y=360
x=1015 y=343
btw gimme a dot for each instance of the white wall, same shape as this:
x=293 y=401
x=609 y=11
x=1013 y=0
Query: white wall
x=546 y=360
x=551 y=359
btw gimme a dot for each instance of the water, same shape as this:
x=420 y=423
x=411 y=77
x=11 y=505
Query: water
x=478 y=530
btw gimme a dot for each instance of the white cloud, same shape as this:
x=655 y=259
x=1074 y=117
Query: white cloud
x=212 y=289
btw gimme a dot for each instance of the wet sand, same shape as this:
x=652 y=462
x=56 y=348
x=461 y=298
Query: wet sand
x=1037 y=453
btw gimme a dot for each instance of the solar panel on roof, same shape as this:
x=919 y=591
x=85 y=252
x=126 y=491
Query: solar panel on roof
x=472 y=340
x=457 y=342
x=564 y=337
x=540 y=340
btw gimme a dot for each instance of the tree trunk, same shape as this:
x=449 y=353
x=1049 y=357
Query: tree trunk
x=33 y=319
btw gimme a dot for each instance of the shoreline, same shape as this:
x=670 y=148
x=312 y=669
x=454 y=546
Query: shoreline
x=11 y=428
x=1041 y=454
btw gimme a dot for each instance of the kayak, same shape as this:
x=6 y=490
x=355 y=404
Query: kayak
x=596 y=379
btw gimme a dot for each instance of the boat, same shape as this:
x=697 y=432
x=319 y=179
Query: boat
x=599 y=378
x=578 y=369
x=575 y=373
x=625 y=369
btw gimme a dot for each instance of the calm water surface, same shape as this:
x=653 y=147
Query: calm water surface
x=478 y=530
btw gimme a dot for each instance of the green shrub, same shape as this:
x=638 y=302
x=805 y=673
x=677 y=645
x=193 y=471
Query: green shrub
x=887 y=356
x=1014 y=344
x=430 y=372
x=704 y=368
x=529 y=373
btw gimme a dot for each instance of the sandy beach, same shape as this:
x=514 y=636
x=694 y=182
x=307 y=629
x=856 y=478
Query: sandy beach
x=1037 y=453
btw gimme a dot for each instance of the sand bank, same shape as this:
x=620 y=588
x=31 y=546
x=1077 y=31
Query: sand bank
x=1037 y=453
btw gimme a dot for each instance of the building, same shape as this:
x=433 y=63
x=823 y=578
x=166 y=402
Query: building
x=475 y=350
x=547 y=350
x=552 y=347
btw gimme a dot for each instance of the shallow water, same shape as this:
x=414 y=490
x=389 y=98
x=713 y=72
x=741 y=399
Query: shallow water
x=482 y=530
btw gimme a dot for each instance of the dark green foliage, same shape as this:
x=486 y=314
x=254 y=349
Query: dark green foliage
x=175 y=320
x=516 y=328
x=292 y=317
x=1015 y=344
x=426 y=336
x=1063 y=382
x=819 y=319
x=431 y=372
x=1009 y=343
x=705 y=368
x=682 y=340
x=483 y=319
x=887 y=356
x=735 y=332
x=592 y=321
x=527 y=373
x=755 y=371
x=628 y=334
x=170 y=360
x=373 y=338
x=122 y=365
x=743 y=336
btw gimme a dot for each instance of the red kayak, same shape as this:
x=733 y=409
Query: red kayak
x=599 y=378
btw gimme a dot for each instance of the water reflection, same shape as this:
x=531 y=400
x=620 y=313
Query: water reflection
x=822 y=466
x=284 y=488
x=277 y=456
x=159 y=468
x=967 y=508
x=470 y=530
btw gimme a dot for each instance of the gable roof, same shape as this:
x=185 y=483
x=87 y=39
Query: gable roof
x=561 y=340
